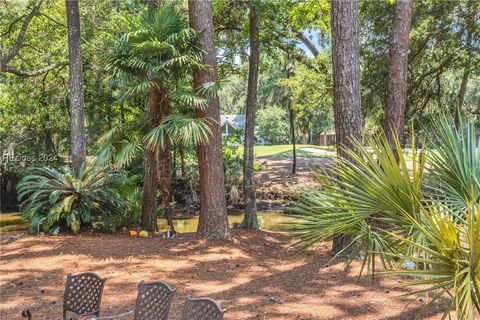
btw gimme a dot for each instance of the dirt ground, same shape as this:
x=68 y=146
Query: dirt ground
x=254 y=275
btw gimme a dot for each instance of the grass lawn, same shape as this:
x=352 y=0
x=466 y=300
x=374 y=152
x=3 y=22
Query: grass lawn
x=285 y=150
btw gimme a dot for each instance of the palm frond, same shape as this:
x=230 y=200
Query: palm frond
x=179 y=129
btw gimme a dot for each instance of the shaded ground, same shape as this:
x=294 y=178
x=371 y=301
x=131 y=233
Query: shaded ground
x=253 y=275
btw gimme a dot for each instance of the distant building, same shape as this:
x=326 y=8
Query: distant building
x=231 y=123
x=324 y=138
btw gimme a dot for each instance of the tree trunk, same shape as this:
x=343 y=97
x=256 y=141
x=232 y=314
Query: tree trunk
x=292 y=135
x=151 y=170
x=213 y=212
x=463 y=85
x=78 y=136
x=250 y=219
x=346 y=85
x=150 y=183
x=397 y=74
x=291 y=115
x=164 y=158
x=182 y=161
x=461 y=96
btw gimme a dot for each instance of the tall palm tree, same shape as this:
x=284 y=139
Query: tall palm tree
x=152 y=60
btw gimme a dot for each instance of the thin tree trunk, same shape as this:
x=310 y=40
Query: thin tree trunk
x=213 y=207
x=182 y=161
x=346 y=85
x=461 y=96
x=291 y=115
x=463 y=85
x=78 y=137
x=292 y=135
x=250 y=219
x=397 y=74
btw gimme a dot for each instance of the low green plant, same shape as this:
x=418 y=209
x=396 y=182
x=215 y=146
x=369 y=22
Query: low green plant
x=51 y=198
x=423 y=209
x=451 y=258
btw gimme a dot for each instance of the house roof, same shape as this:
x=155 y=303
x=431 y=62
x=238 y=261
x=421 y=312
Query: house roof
x=235 y=120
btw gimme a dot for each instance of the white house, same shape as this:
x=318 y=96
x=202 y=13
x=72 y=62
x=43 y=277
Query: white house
x=232 y=122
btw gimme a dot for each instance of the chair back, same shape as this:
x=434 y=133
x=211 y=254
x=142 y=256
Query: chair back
x=83 y=294
x=202 y=309
x=153 y=300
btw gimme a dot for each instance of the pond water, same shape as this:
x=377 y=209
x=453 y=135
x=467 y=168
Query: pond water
x=268 y=220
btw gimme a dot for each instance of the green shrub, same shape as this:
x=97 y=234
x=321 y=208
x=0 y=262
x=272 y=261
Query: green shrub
x=51 y=198
x=423 y=210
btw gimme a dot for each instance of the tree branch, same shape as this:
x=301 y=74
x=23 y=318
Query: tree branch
x=309 y=44
x=34 y=73
x=18 y=43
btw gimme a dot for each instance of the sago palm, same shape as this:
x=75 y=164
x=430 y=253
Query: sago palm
x=50 y=197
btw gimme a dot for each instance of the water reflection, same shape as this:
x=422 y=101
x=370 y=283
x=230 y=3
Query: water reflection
x=268 y=220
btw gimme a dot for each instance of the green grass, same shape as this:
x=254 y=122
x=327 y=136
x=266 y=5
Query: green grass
x=285 y=151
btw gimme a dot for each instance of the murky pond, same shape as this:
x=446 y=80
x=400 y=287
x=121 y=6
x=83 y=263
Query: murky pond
x=268 y=220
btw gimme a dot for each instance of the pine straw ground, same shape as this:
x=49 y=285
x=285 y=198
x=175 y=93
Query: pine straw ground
x=254 y=275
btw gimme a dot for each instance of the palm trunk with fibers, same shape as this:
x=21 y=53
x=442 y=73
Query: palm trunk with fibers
x=150 y=170
x=397 y=73
x=213 y=207
x=78 y=136
x=164 y=159
x=250 y=219
x=346 y=87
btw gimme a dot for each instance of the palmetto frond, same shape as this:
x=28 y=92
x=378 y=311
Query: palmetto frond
x=188 y=99
x=455 y=166
x=179 y=129
x=383 y=204
x=128 y=149
x=211 y=89
x=452 y=257
x=365 y=194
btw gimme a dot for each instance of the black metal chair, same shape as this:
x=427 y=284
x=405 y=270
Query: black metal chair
x=153 y=302
x=82 y=296
x=202 y=309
